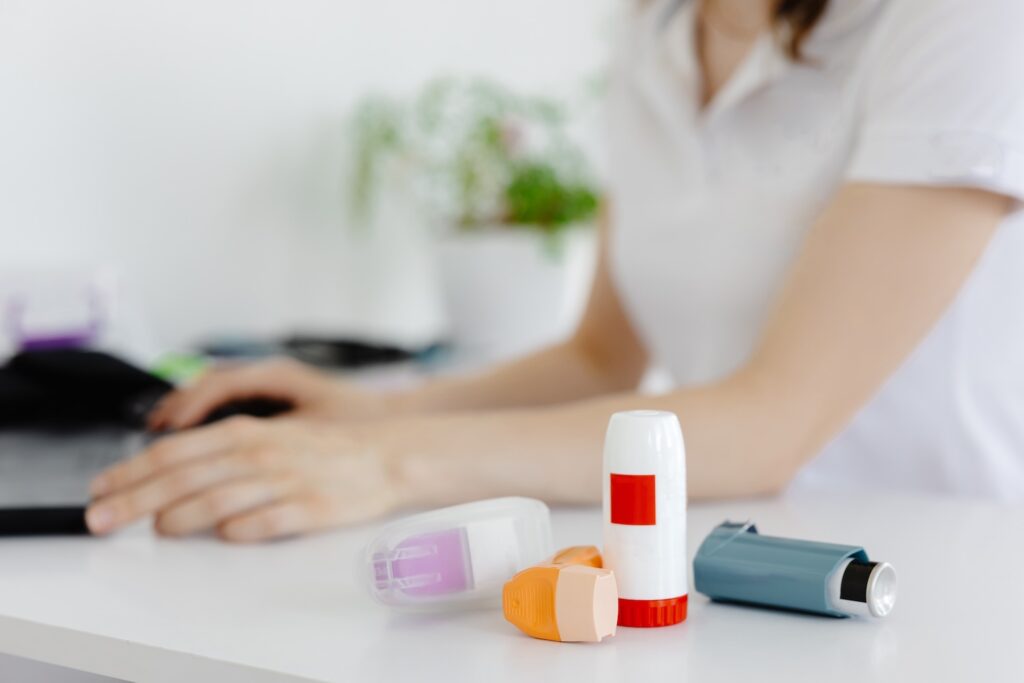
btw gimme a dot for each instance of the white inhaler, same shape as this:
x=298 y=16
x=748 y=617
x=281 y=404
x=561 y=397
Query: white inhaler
x=645 y=516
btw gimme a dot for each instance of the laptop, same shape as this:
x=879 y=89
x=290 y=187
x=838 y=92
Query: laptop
x=67 y=415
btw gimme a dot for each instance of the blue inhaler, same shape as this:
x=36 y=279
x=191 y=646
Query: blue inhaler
x=737 y=564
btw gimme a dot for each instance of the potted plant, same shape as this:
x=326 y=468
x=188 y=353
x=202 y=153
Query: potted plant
x=508 y=191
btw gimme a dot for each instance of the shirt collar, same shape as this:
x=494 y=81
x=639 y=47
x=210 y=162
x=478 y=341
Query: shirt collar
x=766 y=63
x=677 y=40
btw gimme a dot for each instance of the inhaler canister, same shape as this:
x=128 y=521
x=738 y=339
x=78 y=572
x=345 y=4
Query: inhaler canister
x=737 y=564
x=645 y=516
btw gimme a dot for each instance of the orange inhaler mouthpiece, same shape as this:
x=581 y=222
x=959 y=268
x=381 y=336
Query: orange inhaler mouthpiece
x=570 y=598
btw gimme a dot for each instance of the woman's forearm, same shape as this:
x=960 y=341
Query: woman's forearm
x=558 y=374
x=738 y=444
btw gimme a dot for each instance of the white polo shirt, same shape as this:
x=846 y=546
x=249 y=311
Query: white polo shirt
x=710 y=208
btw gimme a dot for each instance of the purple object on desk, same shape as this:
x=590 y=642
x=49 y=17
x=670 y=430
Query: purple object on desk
x=429 y=564
x=59 y=339
x=63 y=340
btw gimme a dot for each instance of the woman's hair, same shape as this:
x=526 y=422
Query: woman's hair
x=794 y=20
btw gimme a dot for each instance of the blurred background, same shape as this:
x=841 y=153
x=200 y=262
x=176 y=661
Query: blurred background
x=227 y=175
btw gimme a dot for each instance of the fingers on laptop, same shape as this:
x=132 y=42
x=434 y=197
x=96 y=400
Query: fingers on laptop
x=187 y=406
x=160 y=491
x=173 y=451
x=173 y=468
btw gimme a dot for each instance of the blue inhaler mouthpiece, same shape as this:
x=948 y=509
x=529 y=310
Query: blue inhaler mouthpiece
x=737 y=564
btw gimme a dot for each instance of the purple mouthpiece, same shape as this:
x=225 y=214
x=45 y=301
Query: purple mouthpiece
x=425 y=565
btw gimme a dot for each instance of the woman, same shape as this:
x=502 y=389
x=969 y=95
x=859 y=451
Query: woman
x=813 y=223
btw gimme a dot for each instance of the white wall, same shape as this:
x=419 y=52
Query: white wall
x=196 y=146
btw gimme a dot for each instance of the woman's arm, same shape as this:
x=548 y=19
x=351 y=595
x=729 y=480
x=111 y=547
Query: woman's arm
x=876 y=272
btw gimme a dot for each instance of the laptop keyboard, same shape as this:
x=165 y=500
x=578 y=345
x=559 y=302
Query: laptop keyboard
x=39 y=468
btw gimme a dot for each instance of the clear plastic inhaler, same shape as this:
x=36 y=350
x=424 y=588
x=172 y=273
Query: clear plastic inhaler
x=458 y=556
x=737 y=564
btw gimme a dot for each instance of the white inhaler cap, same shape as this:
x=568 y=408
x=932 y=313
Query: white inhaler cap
x=457 y=556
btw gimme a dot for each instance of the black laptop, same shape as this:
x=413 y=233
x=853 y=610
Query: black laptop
x=65 y=415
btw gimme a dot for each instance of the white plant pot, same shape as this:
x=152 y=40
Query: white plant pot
x=506 y=290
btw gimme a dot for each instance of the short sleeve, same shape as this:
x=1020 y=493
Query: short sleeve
x=943 y=96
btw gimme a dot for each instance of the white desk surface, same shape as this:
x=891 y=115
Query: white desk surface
x=142 y=608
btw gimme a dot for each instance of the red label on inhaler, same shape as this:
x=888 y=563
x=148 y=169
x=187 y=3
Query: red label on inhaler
x=633 y=499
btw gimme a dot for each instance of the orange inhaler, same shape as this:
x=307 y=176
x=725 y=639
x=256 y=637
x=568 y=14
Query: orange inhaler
x=570 y=598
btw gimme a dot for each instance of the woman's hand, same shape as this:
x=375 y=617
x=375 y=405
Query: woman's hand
x=249 y=479
x=311 y=394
